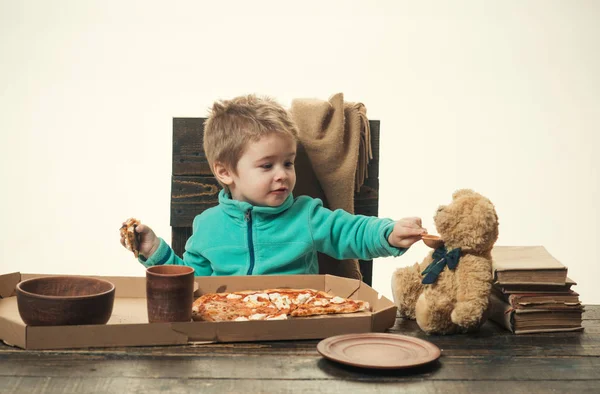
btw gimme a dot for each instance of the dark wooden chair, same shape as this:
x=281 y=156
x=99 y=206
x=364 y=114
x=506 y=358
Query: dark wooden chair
x=194 y=188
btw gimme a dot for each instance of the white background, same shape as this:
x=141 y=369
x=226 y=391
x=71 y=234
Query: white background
x=501 y=97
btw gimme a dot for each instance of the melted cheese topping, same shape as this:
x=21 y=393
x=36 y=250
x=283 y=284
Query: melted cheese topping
x=337 y=300
x=232 y=296
x=253 y=298
x=279 y=300
x=303 y=298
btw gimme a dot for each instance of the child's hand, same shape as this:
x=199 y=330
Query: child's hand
x=149 y=242
x=406 y=232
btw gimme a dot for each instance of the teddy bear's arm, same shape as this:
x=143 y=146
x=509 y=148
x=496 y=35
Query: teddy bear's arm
x=407 y=286
x=473 y=285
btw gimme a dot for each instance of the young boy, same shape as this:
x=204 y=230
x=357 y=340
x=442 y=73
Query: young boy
x=259 y=228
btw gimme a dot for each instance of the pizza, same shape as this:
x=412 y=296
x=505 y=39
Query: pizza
x=272 y=304
x=130 y=236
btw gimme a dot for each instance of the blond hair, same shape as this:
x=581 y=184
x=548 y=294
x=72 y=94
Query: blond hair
x=232 y=124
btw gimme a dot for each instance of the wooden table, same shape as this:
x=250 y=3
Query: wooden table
x=491 y=361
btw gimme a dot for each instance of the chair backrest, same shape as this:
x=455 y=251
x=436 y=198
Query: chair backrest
x=195 y=189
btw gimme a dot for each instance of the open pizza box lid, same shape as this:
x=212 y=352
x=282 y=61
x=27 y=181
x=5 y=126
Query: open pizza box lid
x=128 y=325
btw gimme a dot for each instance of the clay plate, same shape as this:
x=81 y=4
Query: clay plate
x=378 y=350
x=433 y=241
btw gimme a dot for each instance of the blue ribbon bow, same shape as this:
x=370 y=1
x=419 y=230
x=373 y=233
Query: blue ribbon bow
x=441 y=258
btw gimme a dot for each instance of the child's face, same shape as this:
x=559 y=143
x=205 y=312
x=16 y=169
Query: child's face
x=265 y=172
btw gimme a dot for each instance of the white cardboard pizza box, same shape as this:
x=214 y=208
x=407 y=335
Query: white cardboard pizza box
x=128 y=325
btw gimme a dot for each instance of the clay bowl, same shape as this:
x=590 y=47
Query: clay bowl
x=65 y=300
x=433 y=241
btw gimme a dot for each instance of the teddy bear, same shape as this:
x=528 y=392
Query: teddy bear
x=449 y=291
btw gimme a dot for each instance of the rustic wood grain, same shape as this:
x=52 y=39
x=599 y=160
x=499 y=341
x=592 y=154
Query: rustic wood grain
x=190 y=196
x=167 y=385
x=162 y=385
x=299 y=367
x=188 y=153
x=179 y=236
x=592 y=312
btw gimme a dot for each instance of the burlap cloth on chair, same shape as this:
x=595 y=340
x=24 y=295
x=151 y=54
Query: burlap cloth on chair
x=333 y=154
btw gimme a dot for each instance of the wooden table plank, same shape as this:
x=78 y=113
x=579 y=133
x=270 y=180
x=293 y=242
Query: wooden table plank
x=32 y=385
x=592 y=312
x=300 y=368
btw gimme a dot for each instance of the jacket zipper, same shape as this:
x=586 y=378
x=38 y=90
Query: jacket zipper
x=248 y=216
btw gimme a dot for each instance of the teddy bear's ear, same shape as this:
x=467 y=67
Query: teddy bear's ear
x=487 y=224
x=461 y=193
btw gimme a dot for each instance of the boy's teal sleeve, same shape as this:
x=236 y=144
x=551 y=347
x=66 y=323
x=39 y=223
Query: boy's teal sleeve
x=164 y=255
x=345 y=236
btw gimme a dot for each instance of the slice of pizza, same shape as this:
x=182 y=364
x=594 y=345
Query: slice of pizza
x=131 y=237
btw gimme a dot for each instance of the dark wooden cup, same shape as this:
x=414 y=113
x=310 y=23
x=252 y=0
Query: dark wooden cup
x=169 y=293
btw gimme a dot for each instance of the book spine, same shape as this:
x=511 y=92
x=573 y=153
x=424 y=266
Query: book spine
x=501 y=313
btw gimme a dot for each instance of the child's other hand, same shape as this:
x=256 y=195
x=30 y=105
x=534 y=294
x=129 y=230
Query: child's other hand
x=149 y=242
x=406 y=232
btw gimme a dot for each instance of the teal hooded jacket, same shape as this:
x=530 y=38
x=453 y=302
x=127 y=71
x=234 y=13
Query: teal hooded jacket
x=237 y=238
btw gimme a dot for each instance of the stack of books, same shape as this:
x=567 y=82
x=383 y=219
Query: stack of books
x=532 y=293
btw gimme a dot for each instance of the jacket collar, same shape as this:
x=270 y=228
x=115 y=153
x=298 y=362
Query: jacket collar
x=238 y=209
